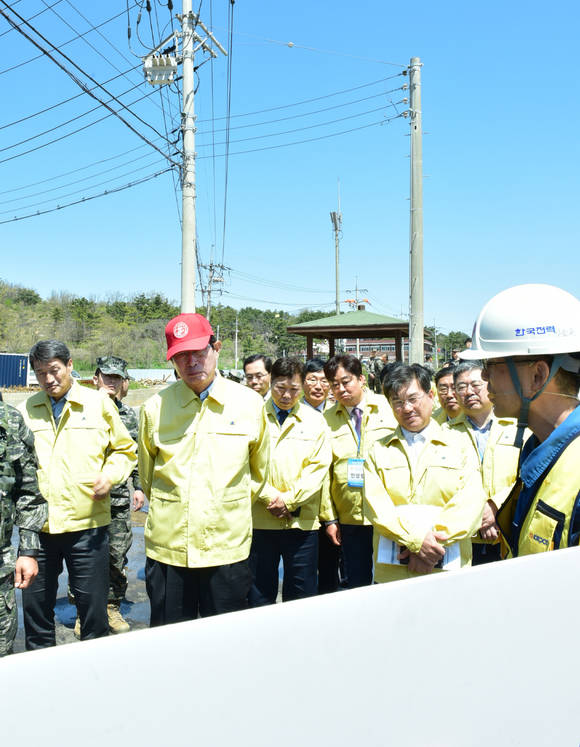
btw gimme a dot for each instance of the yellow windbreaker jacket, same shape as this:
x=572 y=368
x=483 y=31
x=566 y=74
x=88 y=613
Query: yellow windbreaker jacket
x=300 y=457
x=439 y=416
x=401 y=495
x=201 y=464
x=551 y=515
x=90 y=439
x=377 y=422
x=499 y=467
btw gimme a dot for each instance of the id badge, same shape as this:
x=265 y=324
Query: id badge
x=355 y=472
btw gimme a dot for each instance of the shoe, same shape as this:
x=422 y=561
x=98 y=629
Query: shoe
x=117 y=624
x=77 y=628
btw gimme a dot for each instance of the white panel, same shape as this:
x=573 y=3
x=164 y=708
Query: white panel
x=488 y=656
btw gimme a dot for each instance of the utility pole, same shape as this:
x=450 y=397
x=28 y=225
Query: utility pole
x=356 y=301
x=336 y=218
x=436 y=348
x=215 y=276
x=189 y=22
x=354 y=304
x=416 y=345
x=188 y=227
x=160 y=67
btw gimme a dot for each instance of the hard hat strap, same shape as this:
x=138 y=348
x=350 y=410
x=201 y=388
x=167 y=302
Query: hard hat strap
x=526 y=401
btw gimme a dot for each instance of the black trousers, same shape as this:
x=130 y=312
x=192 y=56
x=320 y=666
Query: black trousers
x=178 y=594
x=328 y=563
x=299 y=552
x=357 y=551
x=484 y=553
x=86 y=554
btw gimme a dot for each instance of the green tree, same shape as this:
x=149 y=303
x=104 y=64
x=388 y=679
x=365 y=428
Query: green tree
x=27 y=297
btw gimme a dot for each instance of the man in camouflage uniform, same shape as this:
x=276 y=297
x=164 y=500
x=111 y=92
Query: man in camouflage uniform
x=112 y=378
x=379 y=364
x=22 y=504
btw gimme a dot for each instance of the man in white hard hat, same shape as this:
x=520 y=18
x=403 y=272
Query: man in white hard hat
x=529 y=340
x=491 y=442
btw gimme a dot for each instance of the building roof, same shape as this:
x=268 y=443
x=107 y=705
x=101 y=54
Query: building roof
x=355 y=322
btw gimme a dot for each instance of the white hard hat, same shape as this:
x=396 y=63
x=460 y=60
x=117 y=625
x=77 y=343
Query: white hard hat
x=532 y=319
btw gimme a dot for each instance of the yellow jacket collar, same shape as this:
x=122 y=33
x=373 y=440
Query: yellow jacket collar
x=370 y=402
x=296 y=410
x=436 y=434
x=74 y=394
x=462 y=418
x=186 y=396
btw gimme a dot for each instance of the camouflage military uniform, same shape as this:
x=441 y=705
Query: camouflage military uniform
x=120 y=531
x=378 y=366
x=20 y=503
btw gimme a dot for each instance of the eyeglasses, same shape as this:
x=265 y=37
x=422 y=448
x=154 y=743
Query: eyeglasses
x=477 y=386
x=336 y=384
x=257 y=377
x=398 y=404
x=311 y=381
x=445 y=389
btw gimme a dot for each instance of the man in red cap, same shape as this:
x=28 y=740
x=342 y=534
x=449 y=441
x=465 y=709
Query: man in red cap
x=204 y=457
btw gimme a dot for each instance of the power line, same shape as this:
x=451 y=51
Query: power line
x=308 y=114
x=278 y=303
x=85 y=127
x=228 y=113
x=72 y=171
x=40 y=12
x=312 y=139
x=87 y=199
x=99 y=184
x=67 y=122
x=292 y=45
x=274 y=284
x=86 y=41
x=60 y=103
x=64 y=44
x=301 y=129
x=95 y=28
x=76 y=181
x=74 y=64
x=80 y=83
x=92 y=46
x=139 y=147
x=69 y=194
x=310 y=101
x=161 y=90
x=211 y=63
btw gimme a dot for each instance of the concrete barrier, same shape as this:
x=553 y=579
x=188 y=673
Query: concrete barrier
x=135 y=397
x=487 y=656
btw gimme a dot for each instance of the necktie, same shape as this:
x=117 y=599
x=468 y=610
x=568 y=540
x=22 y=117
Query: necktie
x=282 y=415
x=357 y=418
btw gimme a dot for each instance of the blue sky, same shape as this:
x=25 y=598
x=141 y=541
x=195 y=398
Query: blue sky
x=501 y=154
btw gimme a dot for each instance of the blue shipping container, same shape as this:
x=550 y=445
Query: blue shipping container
x=13 y=369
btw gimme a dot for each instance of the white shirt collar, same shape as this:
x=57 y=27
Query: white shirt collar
x=361 y=406
x=413 y=438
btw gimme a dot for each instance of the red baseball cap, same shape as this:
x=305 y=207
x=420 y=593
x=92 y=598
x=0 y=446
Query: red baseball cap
x=187 y=332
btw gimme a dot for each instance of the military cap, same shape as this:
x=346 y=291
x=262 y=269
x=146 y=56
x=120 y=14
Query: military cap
x=113 y=365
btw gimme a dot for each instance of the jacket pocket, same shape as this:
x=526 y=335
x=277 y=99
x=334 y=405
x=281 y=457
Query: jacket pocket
x=163 y=495
x=166 y=525
x=544 y=532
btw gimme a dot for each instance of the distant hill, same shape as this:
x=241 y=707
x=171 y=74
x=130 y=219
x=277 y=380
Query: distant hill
x=134 y=327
